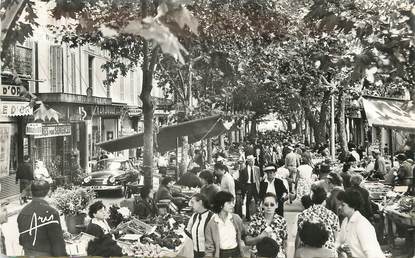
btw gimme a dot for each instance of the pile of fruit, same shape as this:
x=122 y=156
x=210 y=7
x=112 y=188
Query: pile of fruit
x=406 y=204
x=134 y=226
x=167 y=231
x=170 y=241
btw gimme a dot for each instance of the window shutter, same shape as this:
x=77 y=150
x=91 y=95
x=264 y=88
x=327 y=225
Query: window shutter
x=73 y=73
x=122 y=86
x=56 y=63
x=132 y=88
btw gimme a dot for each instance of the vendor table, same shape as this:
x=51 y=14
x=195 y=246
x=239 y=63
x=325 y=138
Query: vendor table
x=393 y=216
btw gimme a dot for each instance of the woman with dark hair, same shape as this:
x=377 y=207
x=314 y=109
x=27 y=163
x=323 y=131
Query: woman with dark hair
x=357 y=236
x=306 y=201
x=267 y=248
x=225 y=231
x=314 y=235
x=103 y=244
x=334 y=181
x=145 y=206
x=346 y=174
x=197 y=224
x=268 y=224
x=318 y=212
x=209 y=188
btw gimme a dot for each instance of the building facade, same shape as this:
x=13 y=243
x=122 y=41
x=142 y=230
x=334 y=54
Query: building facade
x=70 y=83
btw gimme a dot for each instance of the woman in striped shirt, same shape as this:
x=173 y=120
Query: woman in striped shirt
x=198 y=222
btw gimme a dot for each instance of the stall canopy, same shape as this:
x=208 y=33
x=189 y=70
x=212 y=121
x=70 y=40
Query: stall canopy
x=196 y=130
x=390 y=113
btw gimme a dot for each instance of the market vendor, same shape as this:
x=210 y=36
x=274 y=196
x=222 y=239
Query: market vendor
x=103 y=244
x=405 y=170
x=165 y=193
x=145 y=207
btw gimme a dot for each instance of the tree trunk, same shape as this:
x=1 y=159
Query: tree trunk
x=341 y=121
x=253 y=127
x=319 y=126
x=150 y=59
x=412 y=93
x=209 y=150
x=289 y=125
x=185 y=154
x=322 y=126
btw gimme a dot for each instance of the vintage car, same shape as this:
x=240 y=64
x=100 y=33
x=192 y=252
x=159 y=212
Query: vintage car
x=112 y=174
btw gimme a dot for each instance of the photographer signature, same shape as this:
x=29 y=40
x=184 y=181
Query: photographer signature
x=38 y=222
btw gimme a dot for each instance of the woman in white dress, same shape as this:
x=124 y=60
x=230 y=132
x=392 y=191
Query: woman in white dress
x=304 y=179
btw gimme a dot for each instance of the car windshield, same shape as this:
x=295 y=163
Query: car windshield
x=112 y=165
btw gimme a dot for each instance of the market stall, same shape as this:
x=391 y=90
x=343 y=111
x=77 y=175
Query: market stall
x=398 y=210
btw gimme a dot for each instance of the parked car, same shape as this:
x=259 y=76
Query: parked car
x=112 y=175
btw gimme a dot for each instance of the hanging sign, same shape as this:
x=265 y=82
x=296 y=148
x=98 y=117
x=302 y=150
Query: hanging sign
x=54 y=131
x=15 y=108
x=11 y=90
x=34 y=129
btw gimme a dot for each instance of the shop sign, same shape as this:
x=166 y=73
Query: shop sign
x=15 y=108
x=34 y=129
x=54 y=131
x=134 y=111
x=108 y=111
x=11 y=90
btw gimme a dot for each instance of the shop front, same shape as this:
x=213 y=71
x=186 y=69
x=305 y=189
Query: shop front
x=13 y=143
x=52 y=144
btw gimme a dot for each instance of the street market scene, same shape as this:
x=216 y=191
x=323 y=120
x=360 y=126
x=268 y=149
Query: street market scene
x=207 y=128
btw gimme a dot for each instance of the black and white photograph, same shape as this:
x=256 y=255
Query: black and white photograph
x=207 y=128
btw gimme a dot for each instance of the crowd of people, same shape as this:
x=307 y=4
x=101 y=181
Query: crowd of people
x=243 y=206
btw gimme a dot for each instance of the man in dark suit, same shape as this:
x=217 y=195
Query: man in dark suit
x=275 y=186
x=250 y=179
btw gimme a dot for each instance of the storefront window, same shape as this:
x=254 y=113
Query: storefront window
x=8 y=149
x=13 y=148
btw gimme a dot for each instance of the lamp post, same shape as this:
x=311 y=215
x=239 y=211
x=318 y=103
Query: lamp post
x=333 y=131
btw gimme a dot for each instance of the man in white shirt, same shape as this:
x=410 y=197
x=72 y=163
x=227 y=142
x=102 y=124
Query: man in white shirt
x=283 y=173
x=357 y=236
x=227 y=182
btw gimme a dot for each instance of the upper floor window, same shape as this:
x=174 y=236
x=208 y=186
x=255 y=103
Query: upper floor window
x=56 y=68
x=91 y=71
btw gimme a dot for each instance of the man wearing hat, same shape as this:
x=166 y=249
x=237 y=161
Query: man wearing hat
x=250 y=179
x=274 y=185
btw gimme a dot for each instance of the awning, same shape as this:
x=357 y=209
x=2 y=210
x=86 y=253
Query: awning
x=389 y=113
x=196 y=130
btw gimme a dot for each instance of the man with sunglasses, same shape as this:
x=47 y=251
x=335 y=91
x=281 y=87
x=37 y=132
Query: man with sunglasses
x=274 y=185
